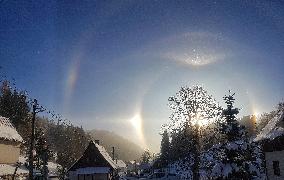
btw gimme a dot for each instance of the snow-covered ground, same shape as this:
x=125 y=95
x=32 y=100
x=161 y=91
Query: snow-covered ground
x=8 y=169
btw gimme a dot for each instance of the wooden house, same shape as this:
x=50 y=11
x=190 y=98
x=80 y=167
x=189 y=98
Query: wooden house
x=94 y=164
x=272 y=140
x=121 y=166
x=10 y=142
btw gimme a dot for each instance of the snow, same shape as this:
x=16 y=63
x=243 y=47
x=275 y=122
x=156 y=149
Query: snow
x=52 y=167
x=227 y=169
x=120 y=164
x=232 y=146
x=182 y=168
x=9 y=169
x=106 y=156
x=214 y=162
x=7 y=131
x=272 y=130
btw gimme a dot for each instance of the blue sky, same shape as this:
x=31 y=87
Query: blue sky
x=101 y=63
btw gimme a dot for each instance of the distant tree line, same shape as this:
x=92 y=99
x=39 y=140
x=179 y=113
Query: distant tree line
x=57 y=141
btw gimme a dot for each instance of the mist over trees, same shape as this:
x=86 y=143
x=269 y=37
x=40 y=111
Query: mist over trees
x=124 y=149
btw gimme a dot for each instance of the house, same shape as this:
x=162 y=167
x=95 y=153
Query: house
x=271 y=138
x=132 y=166
x=121 y=166
x=10 y=142
x=94 y=164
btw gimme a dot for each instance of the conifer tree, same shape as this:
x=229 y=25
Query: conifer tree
x=231 y=127
x=42 y=151
x=165 y=149
x=13 y=105
x=237 y=157
x=146 y=156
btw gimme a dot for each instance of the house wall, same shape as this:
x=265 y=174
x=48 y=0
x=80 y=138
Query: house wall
x=10 y=152
x=101 y=176
x=274 y=156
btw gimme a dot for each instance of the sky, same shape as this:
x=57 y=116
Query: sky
x=113 y=64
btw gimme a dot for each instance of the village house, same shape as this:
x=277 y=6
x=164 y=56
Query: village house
x=121 y=166
x=10 y=142
x=94 y=164
x=132 y=166
x=272 y=139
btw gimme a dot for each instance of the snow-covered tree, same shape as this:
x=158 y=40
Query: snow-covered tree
x=68 y=142
x=230 y=126
x=237 y=157
x=191 y=109
x=146 y=156
x=13 y=105
x=192 y=105
x=42 y=151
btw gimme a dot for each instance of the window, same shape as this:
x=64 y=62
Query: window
x=276 y=168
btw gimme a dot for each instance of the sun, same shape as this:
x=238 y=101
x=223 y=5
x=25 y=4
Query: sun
x=200 y=121
x=136 y=122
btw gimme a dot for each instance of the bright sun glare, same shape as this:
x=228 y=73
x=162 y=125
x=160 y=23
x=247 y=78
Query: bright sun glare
x=200 y=120
x=136 y=122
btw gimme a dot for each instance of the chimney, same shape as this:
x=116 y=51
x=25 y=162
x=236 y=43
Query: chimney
x=113 y=153
x=97 y=141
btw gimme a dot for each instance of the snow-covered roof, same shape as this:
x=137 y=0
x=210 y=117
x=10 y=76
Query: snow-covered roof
x=119 y=163
x=106 y=155
x=8 y=169
x=8 y=131
x=272 y=129
x=94 y=156
x=132 y=162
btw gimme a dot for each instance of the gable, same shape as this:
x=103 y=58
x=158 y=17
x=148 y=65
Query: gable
x=277 y=144
x=281 y=122
x=93 y=157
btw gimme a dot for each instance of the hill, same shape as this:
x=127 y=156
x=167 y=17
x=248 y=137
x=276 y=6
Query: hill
x=124 y=149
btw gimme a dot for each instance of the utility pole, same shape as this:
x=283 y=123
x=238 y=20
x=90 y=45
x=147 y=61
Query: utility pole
x=31 y=154
x=17 y=166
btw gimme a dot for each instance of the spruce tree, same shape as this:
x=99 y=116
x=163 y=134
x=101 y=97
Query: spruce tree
x=231 y=127
x=42 y=151
x=146 y=157
x=165 y=149
x=237 y=157
x=14 y=105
